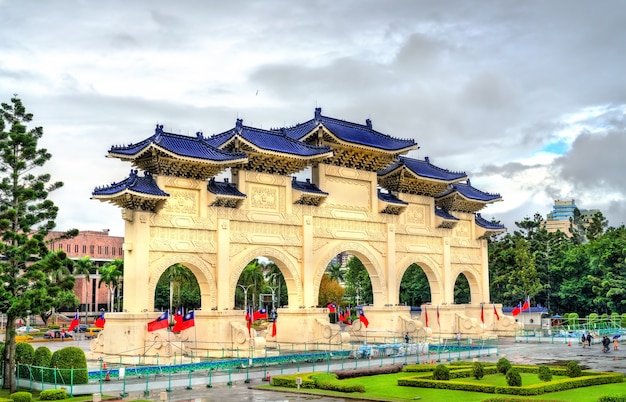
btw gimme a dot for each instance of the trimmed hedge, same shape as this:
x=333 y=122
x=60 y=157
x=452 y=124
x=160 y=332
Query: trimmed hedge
x=22 y=396
x=70 y=362
x=389 y=369
x=324 y=381
x=41 y=360
x=24 y=353
x=423 y=379
x=613 y=398
x=52 y=394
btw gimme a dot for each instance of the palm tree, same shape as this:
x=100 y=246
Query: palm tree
x=275 y=279
x=110 y=274
x=252 y=275
x=84 y=266
x=180 y=275
x=335 y=272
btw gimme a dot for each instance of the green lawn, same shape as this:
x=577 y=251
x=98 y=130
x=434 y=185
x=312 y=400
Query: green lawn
x=385 y=388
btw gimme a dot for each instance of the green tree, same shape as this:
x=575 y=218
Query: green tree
x=111 y=274
x=358 y=282
x=414 y=287
x=84 y=266
x=596 y=226
x=462 y=293
x=330 y=292
x=276 y=283
x=178 y=276
x=26 y=217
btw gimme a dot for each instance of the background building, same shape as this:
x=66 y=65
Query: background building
x=562 y=212
x=100 y=248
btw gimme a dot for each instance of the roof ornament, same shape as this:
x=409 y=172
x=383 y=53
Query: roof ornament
x=239 y=125
x=318 y=113
x=368 y=123
x=468 y=182
x=199 y=135
x=427 y=160
x=158 y=131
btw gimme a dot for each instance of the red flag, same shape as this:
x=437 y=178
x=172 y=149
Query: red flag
x=496 y=312
x=163 y=321
x=517 y=310
x=482 y=313
x=526 y=305
x=187 y=321
x=426 y=316
x=438 y=323
x=363 y=318
x=178 y=316
x=249 y=319
x=74 y=323
x=274 y=328
x=331 y=307
x=261 y=314
x=100 y=321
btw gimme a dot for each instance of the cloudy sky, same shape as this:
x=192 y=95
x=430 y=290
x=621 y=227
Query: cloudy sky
x=527 y=97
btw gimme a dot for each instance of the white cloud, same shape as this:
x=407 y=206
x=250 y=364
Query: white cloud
x=526 y=97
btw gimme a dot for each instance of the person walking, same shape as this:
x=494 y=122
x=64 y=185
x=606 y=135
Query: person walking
x=589 y=339
x=583 y=340
x=615 y=343
x=406 y=338
x=605 y=344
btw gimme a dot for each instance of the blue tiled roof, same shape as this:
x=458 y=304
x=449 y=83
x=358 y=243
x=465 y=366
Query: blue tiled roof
x=472 y=193
x=442 y=213
x=390 y=198
x=184 y=146
x=423 y=169
x=351 y=132
x=225 y=188
x=135 y=183
x=484 y=223
x=532 y=309
x=306 y=187
x=275 y=141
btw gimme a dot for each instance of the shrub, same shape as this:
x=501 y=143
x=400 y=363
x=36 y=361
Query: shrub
x=441 y=372
x=70 y=358
x=41 y=361
x=545 y=374
x=613 y=398
x=513 y=378
x=24 y=353
x=573 y=369
x=479 y=370
x=503 y=365
x=52 y=394
x=22 y=396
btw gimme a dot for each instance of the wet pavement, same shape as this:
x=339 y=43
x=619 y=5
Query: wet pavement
x=557 y=352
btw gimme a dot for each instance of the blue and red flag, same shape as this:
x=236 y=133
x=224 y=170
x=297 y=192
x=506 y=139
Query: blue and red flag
x=163 y=321
x=482 y=313
x=438 y=323
x=260 y=314
x=517 y=309
x=331 y=307
x=496 y=312
x=178 y=316
x=363 y=318
x=274 y=327
x=185 y=322
x=249 y=319
x=100 y=321
x=74 y=323
x=526 y=305
x=426 y=316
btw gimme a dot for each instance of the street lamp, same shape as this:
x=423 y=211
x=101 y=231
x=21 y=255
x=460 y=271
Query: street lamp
x=245 y=292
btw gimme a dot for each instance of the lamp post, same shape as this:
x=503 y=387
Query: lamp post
x=245 y=293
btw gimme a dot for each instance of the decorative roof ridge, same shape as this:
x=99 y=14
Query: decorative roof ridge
x=480 y=221
x=389 y=197
x=427 y=160
x=469 y=184
x=319 y=119
x=442 y=213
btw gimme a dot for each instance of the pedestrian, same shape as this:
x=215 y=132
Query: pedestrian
x=583 y=340
x=615 y=343
x=63 y=334
x=589 y=339
x=605 y=344
x=406 y=338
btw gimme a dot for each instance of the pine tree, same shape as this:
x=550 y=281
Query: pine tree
x=32 y=279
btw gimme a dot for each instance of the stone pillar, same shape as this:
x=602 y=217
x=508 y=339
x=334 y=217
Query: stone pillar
x=136 y=261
